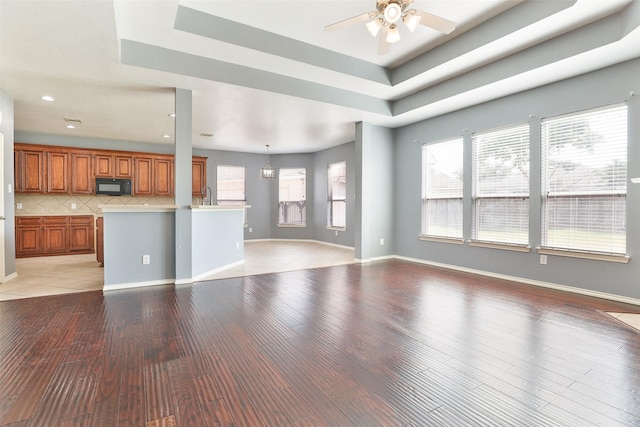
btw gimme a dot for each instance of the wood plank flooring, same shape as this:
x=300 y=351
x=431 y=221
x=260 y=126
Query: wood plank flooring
x=389 y=343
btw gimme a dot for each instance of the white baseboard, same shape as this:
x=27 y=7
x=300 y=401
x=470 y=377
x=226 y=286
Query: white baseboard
x=377 y=258
x=300 y=240
x=203 y=276
x=525 y=281
x=131 y=285
x=10 y=277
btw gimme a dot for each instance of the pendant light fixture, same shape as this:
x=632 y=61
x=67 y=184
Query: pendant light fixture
x=267 y=172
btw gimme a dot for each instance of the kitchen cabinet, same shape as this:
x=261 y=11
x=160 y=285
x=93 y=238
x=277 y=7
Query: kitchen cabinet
x=124 y=166
x=57 y=172
x=163 y=176
x=82 y=177
x=143 y=173
x=28 y=236
x=54 y=235
x=104 y=165
x=198 y=175
x=100 y=240
x=47 y=169
x=30 y=171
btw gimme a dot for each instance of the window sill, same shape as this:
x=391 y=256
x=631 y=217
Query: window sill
x=337 y=228
x=453 y=240
x=292 y=225
x=623 y=259
x=502 y=246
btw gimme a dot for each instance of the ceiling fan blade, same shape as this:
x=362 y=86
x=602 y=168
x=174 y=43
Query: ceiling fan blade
x=384 y=47
x=436 y=22
x=349 y=21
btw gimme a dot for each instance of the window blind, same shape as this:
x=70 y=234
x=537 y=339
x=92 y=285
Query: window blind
x=501 y=185
x=442 y=189
x=230 y=185
x=337 y=194
x=584 y=171
x=292 y=190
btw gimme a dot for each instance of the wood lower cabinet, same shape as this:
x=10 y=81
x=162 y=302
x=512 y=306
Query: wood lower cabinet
x=54 y=235
x=100 y=240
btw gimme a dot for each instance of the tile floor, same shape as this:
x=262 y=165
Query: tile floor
x=79 y=273
x=630 y=319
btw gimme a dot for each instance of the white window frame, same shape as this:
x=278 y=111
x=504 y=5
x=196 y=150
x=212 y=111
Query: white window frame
x=288 y=205
x=441 y=186
x=332 y=199
x=501 y=165
x=590 y=187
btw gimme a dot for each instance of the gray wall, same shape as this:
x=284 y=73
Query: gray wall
x=321 y=160
x=607 y=86
x=6 y=128
x=217 y=240
x=128 y=236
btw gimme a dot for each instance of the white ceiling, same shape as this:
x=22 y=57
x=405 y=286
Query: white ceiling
x=265 y=72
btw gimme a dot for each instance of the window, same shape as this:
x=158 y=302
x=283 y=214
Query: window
x=501 y=186
x=292 y=192
x=442 y=173
x=337 y=195
x=230 y=188
x=584 y=172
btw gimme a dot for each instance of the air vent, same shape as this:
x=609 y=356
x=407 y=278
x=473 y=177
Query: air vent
x=73 y=121
x=206 y=135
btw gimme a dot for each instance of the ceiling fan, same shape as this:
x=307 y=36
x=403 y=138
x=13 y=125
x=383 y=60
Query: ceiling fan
x=386 y=17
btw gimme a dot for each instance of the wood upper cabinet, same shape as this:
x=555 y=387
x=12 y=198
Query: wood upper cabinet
x=57 y=172
x=143 y=176
x=124 y=166
x=82 y=176
x=30 y=171
x=163 y=176
x=104 y=165
x=198 y=175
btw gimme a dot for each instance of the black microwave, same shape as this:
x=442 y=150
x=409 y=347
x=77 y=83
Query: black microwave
x=113 y=186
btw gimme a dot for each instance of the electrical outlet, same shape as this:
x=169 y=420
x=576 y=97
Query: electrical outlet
x=18 y=205
x=250 y=230
x=73 y=205
x=237 y=245
x=336 y=232
x=543 y=259
x=146 y=259
x=381 y=242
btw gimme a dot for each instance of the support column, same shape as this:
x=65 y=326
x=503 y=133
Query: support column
x=374 y=192
x=183 y=182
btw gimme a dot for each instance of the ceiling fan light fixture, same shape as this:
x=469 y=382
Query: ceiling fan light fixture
x=411 y=21
x=374 y=26
x=393 y=35
x=392 y=12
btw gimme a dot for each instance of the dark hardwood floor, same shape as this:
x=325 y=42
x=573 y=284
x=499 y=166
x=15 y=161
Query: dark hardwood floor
x=386 y=344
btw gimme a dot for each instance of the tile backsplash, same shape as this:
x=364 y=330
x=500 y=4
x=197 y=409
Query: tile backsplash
x=49 y=204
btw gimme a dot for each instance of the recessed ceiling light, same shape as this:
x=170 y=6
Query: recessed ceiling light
x=172 y=114
x=70 y=126
x=166 y=136
x=47 y=98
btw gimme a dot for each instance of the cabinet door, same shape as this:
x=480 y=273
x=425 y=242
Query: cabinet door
x=30 y=171
x=80 y=237
x=104 y=165
x=143 y=176
x=57 y=172
x=28 y=240
x=124 y=166
x=81 y=173
x=163 y=177
x=100 y=240
x=56 y=239
x=198 y=175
